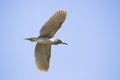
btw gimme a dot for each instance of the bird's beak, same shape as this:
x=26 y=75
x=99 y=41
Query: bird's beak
x=64 y=43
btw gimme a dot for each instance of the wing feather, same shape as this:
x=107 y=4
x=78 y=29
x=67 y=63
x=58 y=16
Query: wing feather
x=42 y=56
x=53 y=24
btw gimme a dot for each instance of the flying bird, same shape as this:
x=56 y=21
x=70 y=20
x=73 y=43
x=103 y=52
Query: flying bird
x=46 y=39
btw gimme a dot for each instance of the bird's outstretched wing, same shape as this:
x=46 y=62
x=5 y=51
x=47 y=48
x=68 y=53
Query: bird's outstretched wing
x=53 y=24
x=42 y=56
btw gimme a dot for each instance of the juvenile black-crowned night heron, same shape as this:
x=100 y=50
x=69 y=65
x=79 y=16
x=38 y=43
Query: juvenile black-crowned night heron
x=46 y=39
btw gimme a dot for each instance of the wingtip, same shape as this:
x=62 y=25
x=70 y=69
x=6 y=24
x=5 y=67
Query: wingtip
x=42 y=69
x=63 y=11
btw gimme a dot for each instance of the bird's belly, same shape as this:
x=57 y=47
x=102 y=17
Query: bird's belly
x=44 y=41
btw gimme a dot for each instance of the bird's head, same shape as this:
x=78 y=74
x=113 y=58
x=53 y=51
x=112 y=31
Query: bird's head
x=33 y=39
x=58 y=41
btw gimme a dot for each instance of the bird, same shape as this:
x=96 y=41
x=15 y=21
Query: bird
x=46 y=38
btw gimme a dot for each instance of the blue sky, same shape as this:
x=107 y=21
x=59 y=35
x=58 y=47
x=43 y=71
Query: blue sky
x=92 y=30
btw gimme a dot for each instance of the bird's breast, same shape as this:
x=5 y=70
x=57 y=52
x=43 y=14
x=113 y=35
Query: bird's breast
x=44 y=41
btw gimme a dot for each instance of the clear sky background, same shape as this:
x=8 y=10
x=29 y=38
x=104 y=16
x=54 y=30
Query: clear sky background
x=92 y=30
